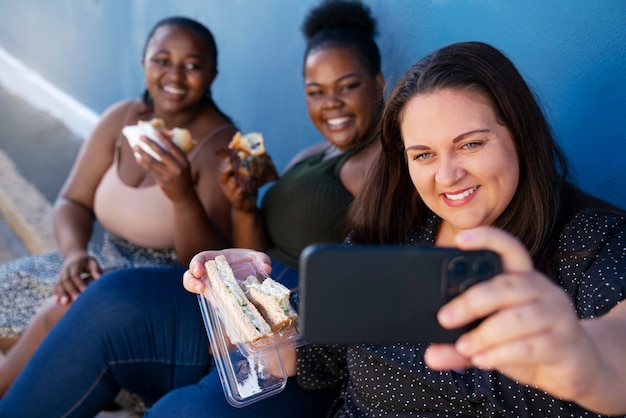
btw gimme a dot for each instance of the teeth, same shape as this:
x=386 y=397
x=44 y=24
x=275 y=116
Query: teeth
x=337 y=121
x=461 y=195
x=173 y=90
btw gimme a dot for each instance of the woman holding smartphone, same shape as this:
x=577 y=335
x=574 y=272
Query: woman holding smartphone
x=469 y=161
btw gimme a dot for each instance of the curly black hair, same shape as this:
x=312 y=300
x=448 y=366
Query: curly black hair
x=343 y=24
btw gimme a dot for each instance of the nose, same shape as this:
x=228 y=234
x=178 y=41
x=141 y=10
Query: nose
x=449 y=171
x=332 y=101
x=176 y=71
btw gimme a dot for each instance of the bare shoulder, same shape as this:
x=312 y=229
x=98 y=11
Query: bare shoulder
x=210 y=141
x=115 y=117
x=356 y=168
x=124 y=111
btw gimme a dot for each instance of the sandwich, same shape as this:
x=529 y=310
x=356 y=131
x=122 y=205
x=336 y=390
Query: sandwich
x=180 y=137
x=232 y=302
x=252 y=165
x=272 y=300
x=253 y=309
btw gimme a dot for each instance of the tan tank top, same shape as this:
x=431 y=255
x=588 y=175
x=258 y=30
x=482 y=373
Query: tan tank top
x=141 y=215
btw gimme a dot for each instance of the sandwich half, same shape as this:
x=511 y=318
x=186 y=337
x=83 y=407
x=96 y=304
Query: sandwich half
x=233 y=303
x=272 y=300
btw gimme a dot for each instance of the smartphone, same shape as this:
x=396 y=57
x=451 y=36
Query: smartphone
x=384 y=294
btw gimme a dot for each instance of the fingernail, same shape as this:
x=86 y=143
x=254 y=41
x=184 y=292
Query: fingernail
x=480 y=360
x=445 y=315
x=466 y=236
x=463 y=345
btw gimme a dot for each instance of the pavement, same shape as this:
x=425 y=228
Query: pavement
x=36 y=154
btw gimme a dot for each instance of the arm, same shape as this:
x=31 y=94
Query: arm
x=532 y=334
x=73 y=213
x=247 y=224
x=202 y=212
x=248 y=227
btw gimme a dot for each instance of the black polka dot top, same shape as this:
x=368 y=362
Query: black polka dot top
x=393 y=381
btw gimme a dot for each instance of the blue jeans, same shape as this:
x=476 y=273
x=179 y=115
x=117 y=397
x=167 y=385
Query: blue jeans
x=285 y=275
x=206 y=399
x=137 y=329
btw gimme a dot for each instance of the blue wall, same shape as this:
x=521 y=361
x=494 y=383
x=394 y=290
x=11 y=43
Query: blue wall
x=572 y=52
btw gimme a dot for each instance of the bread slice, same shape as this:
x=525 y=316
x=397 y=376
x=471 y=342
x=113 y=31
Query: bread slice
x=233 y=303
x=272 y=300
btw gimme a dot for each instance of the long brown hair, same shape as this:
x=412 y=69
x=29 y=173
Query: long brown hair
x=389 y=206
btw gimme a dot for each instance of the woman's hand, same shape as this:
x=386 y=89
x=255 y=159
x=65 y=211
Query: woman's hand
x=530 y=331
x=238 y=197
x=173 y=172
x=192 y=279
x=77 y=270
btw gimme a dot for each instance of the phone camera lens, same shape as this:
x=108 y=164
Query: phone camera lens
x=460 y=268
x=483 y=267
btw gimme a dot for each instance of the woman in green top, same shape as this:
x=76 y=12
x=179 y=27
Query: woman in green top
x=343 y=88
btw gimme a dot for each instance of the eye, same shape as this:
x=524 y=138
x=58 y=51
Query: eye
x=193 y=66
x=422 y=156
x=314 y=93
x=161 y=61
x=472 y=145
x=349 y=87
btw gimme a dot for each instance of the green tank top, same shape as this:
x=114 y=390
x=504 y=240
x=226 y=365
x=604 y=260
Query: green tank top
x=307 y=205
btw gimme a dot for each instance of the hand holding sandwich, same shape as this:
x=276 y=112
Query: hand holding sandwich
x=246 y=168
x=194 y=282
x=193 y=277
x=164 y=154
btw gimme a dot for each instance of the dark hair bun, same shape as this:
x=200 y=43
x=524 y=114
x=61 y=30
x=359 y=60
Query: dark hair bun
x=339 y=13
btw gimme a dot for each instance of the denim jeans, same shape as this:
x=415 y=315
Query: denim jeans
x=137 y=329
x=206 y=400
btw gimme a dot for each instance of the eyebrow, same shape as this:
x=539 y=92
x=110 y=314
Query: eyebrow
x=343 y=77
x=454 y=141
x=168 y=52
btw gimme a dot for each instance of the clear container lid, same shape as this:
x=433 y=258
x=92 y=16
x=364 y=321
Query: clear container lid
x=248 y=371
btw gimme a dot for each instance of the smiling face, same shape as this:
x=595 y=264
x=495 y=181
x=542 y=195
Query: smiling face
x=462 y=162
x=341 y=96
x=179 y=68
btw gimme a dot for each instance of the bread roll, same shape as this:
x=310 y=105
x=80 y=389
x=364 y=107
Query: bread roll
x=180 y=137
x=252 y=165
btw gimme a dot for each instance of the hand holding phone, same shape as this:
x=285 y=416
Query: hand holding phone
x=384 y=294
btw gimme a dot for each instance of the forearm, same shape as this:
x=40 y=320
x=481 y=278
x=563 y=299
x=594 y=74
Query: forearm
x=608 y=334
x=73 y=226
x=195 y=231
x=248 y=230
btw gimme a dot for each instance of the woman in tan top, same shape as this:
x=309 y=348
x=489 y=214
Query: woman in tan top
x=155 y=213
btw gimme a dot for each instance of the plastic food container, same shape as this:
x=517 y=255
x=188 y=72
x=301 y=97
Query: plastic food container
x=248 y=371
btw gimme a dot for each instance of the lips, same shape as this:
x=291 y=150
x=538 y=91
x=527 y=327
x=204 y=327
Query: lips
x=174 y=91
x=337 y=123
x=462 y=195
